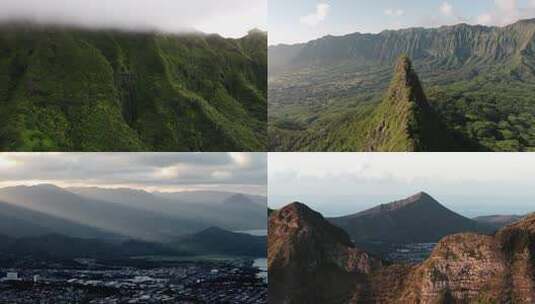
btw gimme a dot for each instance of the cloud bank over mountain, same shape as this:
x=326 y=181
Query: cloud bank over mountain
x=228 y=18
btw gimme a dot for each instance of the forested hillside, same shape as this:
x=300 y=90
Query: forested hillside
x=479 y=80
x=87 y=90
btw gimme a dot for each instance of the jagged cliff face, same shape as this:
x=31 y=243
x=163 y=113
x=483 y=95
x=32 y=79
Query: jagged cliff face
x=463 y=268
x=468 y=268
x=82 y=90
x=307 y=257
x=448 y=47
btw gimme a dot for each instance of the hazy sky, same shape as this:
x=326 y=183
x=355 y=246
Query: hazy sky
x=344 y=183
x=304 y=20
x=240 y=172
x=230 y=18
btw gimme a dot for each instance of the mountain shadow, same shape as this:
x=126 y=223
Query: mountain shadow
x=217 y=241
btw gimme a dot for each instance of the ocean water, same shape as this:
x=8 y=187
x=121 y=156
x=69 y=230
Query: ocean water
x=262 y=265
x=256 y=232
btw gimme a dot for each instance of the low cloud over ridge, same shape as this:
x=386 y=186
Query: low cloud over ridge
x=228 y=18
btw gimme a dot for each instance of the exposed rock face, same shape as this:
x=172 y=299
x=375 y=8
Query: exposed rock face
x=463 y=268
x=304 y=251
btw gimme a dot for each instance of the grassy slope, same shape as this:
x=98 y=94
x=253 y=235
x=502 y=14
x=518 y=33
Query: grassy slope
x=65 y=89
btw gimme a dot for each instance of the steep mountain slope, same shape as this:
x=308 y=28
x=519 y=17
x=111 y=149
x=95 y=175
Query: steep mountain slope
x=312 y=261
x=405 y=121
x=61 y=87
x=463 y=268
x=217 y=241
x=227 y=210
x=478 y=80
x=18 y=222
x=402 y=222
x=127 y=221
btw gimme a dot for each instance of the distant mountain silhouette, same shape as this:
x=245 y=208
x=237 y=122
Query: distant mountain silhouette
x=232 y=211
x=498 y=221
x=130 y=213
x=119 y=219
x=18 y=222
x=217 y=241
x=419 y=218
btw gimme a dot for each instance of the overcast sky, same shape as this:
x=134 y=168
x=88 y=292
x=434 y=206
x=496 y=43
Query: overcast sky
x=237 y=172
x=230 y=18
x=304 y=20
x=344 y=183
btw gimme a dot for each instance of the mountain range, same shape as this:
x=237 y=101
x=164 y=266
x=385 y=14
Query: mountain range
x=62 y=86
x=327 y=94
x=121 y=213
x=311 y=260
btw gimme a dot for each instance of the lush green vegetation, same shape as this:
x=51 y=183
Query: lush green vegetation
x=79 y=90
x=330 y=94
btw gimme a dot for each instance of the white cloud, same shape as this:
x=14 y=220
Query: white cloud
x=506 y=5
x=342 y=183
x=485 y=19
x=137 y=170
x=446 y=9
x=242 y=159
x=394 y=12
x=506 y=12
x=228 y=18
x=322 y=10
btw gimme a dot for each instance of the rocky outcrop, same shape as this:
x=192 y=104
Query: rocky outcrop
x=463 y=268
x=305 y=250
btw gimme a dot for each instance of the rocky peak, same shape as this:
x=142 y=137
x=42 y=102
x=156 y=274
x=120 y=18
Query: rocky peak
x=418 y=199
x=298 y=232
x=299 y=221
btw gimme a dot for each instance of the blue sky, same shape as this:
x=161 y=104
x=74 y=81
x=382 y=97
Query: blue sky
x=472 y=184
x=303 y=20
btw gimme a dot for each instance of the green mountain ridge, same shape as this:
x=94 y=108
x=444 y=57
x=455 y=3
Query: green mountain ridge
x=478 y=80
x=75 y=89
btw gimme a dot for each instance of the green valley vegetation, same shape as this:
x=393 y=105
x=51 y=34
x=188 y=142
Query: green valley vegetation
x=72 y=89
x=339 y=93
